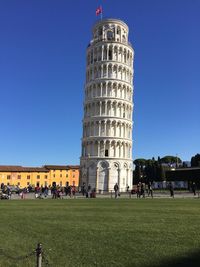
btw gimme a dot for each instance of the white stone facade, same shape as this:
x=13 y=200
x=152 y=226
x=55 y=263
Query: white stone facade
x=107 y=125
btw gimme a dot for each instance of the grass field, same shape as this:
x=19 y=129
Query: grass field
x=102 y=232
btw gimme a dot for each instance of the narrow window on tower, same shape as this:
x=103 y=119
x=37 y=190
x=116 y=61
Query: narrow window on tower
x=106 y=153
x=110 y=54
x=110 y=35
x=123 y=38
x=91 y=58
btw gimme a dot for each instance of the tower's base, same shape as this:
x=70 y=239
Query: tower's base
x=103 y=174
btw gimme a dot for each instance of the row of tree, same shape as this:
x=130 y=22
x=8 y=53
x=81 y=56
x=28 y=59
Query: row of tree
x=149 y=170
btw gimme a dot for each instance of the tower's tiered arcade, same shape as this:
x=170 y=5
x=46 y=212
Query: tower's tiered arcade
x=107 y=124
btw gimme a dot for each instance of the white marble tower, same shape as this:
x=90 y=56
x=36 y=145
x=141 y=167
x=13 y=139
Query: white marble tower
x=107 y=124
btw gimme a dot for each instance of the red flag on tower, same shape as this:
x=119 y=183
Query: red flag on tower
x=99 y=10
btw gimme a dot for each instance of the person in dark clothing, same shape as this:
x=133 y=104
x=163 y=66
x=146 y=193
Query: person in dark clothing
x=171 y=190
x=54 y=192
x=83 y=189
x=194 y=188
x=150 y=190
x=116 y=189
x=139 y=190
x=68 y=189
x=143 y=190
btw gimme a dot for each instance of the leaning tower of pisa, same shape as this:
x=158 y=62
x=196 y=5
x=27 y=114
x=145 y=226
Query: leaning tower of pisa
x=107 y=124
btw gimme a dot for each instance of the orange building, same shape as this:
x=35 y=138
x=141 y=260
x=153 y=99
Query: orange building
x=44 y=176
x=63 y=174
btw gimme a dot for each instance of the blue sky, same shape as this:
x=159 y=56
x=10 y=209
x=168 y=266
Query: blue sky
x=42 y=72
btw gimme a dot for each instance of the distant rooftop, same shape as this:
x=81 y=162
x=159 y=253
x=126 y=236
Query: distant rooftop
x=5 y=168
x=61 y=167
x=45 y=168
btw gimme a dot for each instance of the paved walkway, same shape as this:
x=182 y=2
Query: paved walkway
x=177 y=194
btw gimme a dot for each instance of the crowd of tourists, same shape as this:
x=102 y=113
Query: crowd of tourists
x=58 y=192
x=54 y=191
x=144 y=189
x=87 y=191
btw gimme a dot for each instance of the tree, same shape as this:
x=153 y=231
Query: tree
x=170 y=160
x=149 y=170
x=195 y=161
x=138 y=174
x=139 y=162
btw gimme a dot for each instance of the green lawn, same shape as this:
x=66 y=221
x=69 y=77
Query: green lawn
x=102 y=232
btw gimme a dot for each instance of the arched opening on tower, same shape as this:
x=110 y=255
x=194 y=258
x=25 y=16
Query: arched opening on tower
x=103 y=176
x=106 y=152
x=123 y=38
x=110 y=35
x=114 y=175
x=110 y=54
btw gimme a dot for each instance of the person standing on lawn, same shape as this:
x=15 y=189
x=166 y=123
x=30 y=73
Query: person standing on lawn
x=116 y=189
x=150 y=189
x=171 y=189
x=194 y=188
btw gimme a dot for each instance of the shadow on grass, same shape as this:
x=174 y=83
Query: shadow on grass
x=189 y=260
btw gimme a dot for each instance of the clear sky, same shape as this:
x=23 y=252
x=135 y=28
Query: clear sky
x=42 y=73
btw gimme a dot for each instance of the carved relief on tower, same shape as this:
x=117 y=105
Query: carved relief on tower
x=110 y=52
x=113 y=30
x=109 y=71
x=114 y=175
x=108 y=89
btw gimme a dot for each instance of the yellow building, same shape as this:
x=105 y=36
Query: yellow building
x=44 y=176
x=63 y=174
